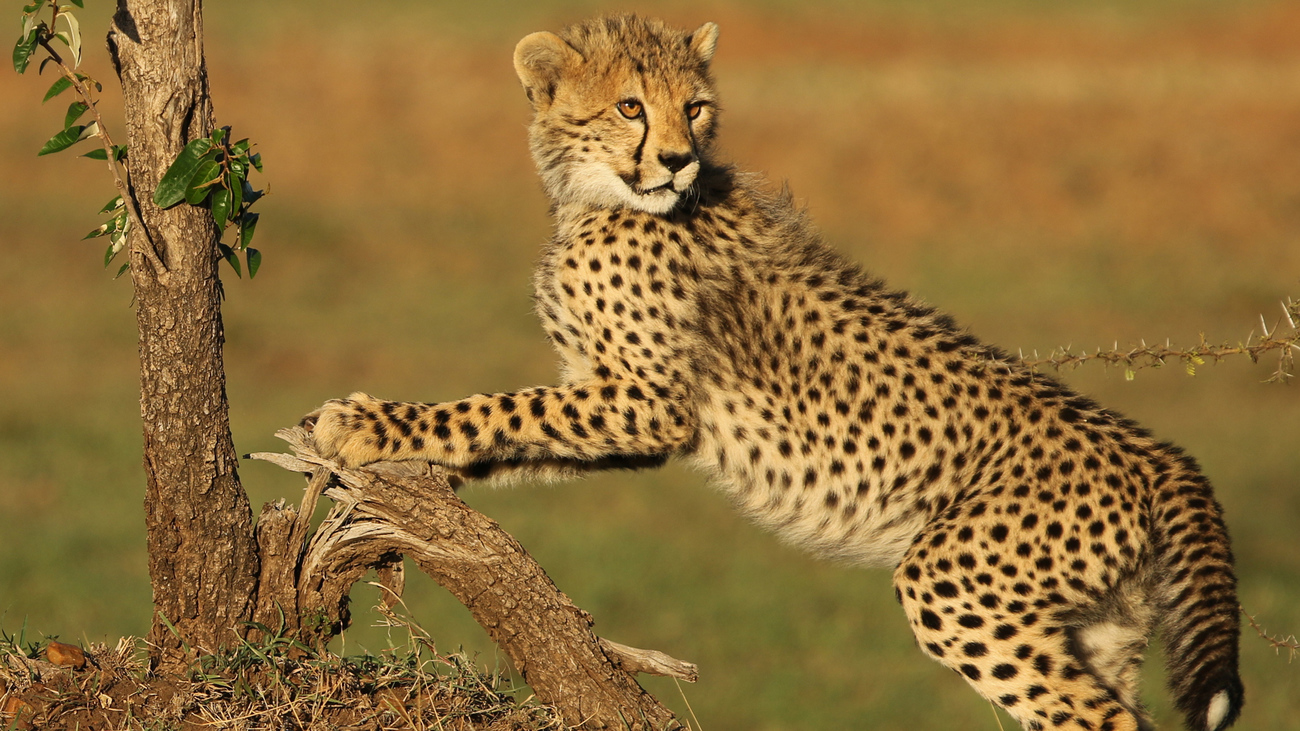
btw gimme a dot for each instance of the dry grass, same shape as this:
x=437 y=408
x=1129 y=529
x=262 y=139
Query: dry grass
x=271 y=684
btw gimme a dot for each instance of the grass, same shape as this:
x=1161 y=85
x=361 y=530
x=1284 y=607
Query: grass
x=1050 y=176
x=271 y=682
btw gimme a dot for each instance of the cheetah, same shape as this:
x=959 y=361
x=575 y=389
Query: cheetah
x=1036 y=539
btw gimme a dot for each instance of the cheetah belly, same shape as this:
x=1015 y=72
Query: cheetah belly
x=840 y=516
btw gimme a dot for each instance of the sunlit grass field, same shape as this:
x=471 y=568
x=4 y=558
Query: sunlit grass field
x=1050 y=173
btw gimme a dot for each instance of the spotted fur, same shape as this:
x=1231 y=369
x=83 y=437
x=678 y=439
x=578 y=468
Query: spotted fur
x=1037 y=539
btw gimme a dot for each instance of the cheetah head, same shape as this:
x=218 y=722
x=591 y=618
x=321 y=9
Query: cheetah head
x=624 y=110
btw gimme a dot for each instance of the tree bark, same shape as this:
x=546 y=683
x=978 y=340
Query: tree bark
x=203 y=562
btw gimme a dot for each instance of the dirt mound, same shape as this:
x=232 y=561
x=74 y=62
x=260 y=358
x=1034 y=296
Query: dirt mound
x=275 y=684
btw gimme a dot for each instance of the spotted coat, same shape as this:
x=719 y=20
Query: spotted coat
x=1036 y=539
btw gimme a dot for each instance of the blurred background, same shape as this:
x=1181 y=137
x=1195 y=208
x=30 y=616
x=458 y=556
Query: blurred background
x=1053 y=174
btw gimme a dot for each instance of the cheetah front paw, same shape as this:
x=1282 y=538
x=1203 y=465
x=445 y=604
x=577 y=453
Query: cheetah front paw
x=343 y=430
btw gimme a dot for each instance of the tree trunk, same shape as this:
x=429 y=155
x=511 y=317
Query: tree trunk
x=203 y=562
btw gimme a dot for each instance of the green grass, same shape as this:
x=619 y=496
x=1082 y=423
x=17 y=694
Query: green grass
x=404 y=220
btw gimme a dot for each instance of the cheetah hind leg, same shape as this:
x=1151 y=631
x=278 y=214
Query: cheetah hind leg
x=1017 y=655
x=1113 y=650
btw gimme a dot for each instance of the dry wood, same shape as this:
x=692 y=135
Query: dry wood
x=388 y=510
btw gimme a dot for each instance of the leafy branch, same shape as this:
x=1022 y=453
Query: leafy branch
x=1283 y=338
x=37 y=32
x=210 y=172
x=213 y=173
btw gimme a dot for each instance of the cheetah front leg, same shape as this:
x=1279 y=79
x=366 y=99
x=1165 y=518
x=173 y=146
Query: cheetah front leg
x=588 y=423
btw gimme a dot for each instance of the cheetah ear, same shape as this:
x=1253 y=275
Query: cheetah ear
x=540 y=60
x=703 y=41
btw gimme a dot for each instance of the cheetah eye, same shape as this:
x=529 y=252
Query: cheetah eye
x=630 y=108
x=693 y=109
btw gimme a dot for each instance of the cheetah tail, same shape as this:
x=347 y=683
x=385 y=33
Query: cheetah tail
x=1199 y=617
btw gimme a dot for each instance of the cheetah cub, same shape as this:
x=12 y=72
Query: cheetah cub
x=1036 y=539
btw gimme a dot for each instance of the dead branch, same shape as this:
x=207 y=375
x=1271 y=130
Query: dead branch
x=1277 y=642
x=385 y=511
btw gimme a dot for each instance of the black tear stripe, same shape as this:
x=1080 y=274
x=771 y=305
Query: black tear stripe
x=645 y=135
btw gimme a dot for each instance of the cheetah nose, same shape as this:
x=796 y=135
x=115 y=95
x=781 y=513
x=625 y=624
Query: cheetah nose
x=675 y=161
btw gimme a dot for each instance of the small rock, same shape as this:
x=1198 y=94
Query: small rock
x=18 y=712
x=68 y=656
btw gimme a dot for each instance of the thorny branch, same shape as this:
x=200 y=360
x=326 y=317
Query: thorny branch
x=1283 y=338
x=1288 y=643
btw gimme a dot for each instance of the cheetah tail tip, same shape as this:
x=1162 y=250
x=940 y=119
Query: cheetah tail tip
x=1223 y=708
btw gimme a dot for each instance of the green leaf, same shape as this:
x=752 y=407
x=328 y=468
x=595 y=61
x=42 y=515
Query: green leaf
x=88 y=131
x=240 y=147
x=250 y=196
x=117 y=228
x=171 y=189
x=63 y=140
x=29 y=9
x=208 y=174
x=112 y=205
x=122 y=271
x=114 y=227
x=254 y=262
x=117 y=243
x=74 y=37
x=256 y=159
x=23 y=51
x=119 y=152
x=220 y=207
x=230 y=256
x=78 y=3
x=61 y=85
x=31 y=22
x=75 y=110
x=235 y=184
x=247 y=226
x=218 y=135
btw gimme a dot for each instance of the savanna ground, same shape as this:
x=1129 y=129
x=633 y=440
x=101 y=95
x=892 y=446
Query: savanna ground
x=1052 y=174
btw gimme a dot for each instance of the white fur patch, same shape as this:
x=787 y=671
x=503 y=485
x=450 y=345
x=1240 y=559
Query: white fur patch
x=594 y=183
x=1218 y=710
x=1110 y=646
x=1104 y=637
